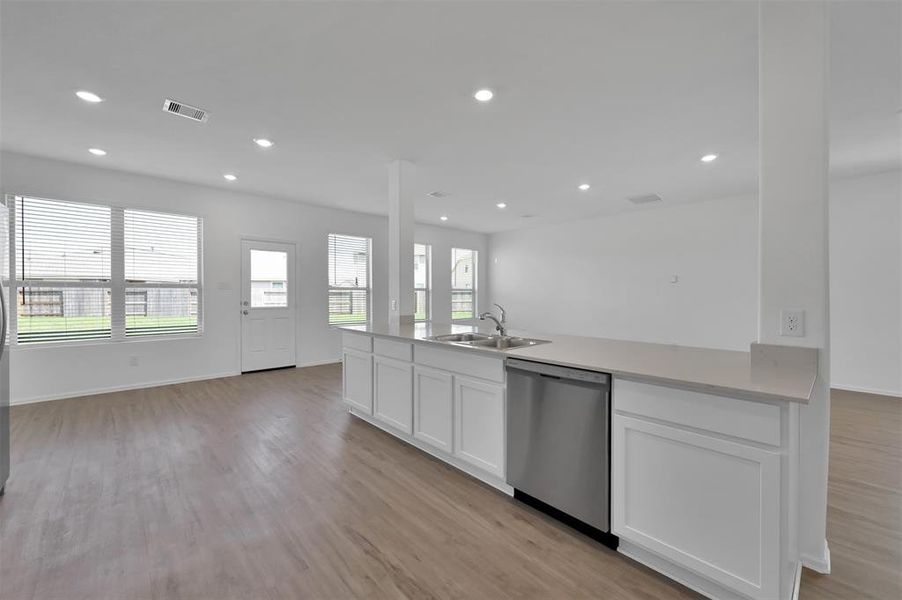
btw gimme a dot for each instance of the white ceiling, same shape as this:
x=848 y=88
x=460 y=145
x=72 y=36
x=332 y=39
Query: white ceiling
x=625 y=96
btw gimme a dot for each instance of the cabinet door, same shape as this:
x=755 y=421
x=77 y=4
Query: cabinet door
x=393 y=392
x=358 y=380
x=707 y=504
x=479 y=424
x=433 y=406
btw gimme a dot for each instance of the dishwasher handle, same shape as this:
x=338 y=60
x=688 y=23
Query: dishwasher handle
x=558 y=371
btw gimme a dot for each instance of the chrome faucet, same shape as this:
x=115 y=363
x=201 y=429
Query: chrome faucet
x=499 y=323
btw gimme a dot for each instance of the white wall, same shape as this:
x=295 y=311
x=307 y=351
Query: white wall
x=43 y=373
x=866 y=282
x=611 y=276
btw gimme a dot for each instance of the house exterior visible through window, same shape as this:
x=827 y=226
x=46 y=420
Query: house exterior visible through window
x=92 y=272
x=349 y=279
x=463 y=283
x=422 y=281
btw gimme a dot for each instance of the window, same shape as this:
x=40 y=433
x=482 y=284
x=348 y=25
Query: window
x=162 y=278
x=463 y=283
x=90 y=271
x=62 y=270
x=349 y=279
x=422 y=281
x=269 y=279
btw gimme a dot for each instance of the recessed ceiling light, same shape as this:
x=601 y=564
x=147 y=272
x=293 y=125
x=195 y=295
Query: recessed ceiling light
x=444 y=217
x=584 y=186
x=709 y=158
x=230 y=177
x=88 y=96
x=263 y=142
x=97 y=151
x=484 y=95
x=501 y=205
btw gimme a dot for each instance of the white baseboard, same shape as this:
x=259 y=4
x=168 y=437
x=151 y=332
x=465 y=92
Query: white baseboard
x=685 y=577
x=119 y=388
x=319 y=363
x=797 y=581
x=144 y=385
x=864 y=390
x=821 y=564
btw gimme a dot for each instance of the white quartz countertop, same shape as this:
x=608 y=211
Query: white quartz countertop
x=726 y=372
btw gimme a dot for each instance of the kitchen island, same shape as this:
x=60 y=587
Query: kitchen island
x=704 y=443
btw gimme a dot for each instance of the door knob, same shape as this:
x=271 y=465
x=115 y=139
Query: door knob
x=243 y=312
x=245 y=303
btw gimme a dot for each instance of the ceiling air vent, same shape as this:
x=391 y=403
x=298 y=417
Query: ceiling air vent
x=646 y=199
x=185 y=110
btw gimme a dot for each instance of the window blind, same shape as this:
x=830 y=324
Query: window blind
x=463 y=283
x=422 y=281
x=63 y=270
x=349 y=279
x=162 y=276
x=87 y=271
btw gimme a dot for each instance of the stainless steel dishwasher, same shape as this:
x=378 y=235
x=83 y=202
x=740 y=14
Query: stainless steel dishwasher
x=558 y=443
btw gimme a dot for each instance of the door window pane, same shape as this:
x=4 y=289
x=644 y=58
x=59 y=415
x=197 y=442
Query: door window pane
x=269 y=279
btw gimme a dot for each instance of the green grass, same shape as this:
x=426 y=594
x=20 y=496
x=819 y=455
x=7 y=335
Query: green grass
x=43 y=324
x=348 y=319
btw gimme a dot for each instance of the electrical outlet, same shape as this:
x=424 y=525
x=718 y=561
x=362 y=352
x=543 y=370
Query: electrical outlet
x=792 y=322
x=133 y=361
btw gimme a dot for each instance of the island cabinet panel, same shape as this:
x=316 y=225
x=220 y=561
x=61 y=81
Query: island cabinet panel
x=753 y=421
x=357 y=380
x=433 y=407
x=357 y=341
x=393 y=349
x=702 y=502
x=479 y=424
x=457 y=361
x=393 y=393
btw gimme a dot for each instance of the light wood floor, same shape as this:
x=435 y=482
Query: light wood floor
x=262 y=486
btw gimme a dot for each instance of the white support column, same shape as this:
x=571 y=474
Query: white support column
x=793 y=190
x=401 y=299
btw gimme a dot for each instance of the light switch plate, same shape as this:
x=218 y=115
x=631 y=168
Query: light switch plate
x=792 y=322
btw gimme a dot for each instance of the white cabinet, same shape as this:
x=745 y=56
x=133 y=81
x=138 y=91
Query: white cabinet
x=393 y=392
x=479 y=424
x=358 y=380
x=709 y=503
x=433 y=410
x=447 y=402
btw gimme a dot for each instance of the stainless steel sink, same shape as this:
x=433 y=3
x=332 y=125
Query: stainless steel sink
x=506 y=342
x=481 y=340
x=460 y=337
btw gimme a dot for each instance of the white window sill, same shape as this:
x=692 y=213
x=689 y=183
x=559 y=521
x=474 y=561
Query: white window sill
x=106 y=342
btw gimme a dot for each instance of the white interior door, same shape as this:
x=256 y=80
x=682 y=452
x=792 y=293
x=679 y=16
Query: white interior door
x=268 y=301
